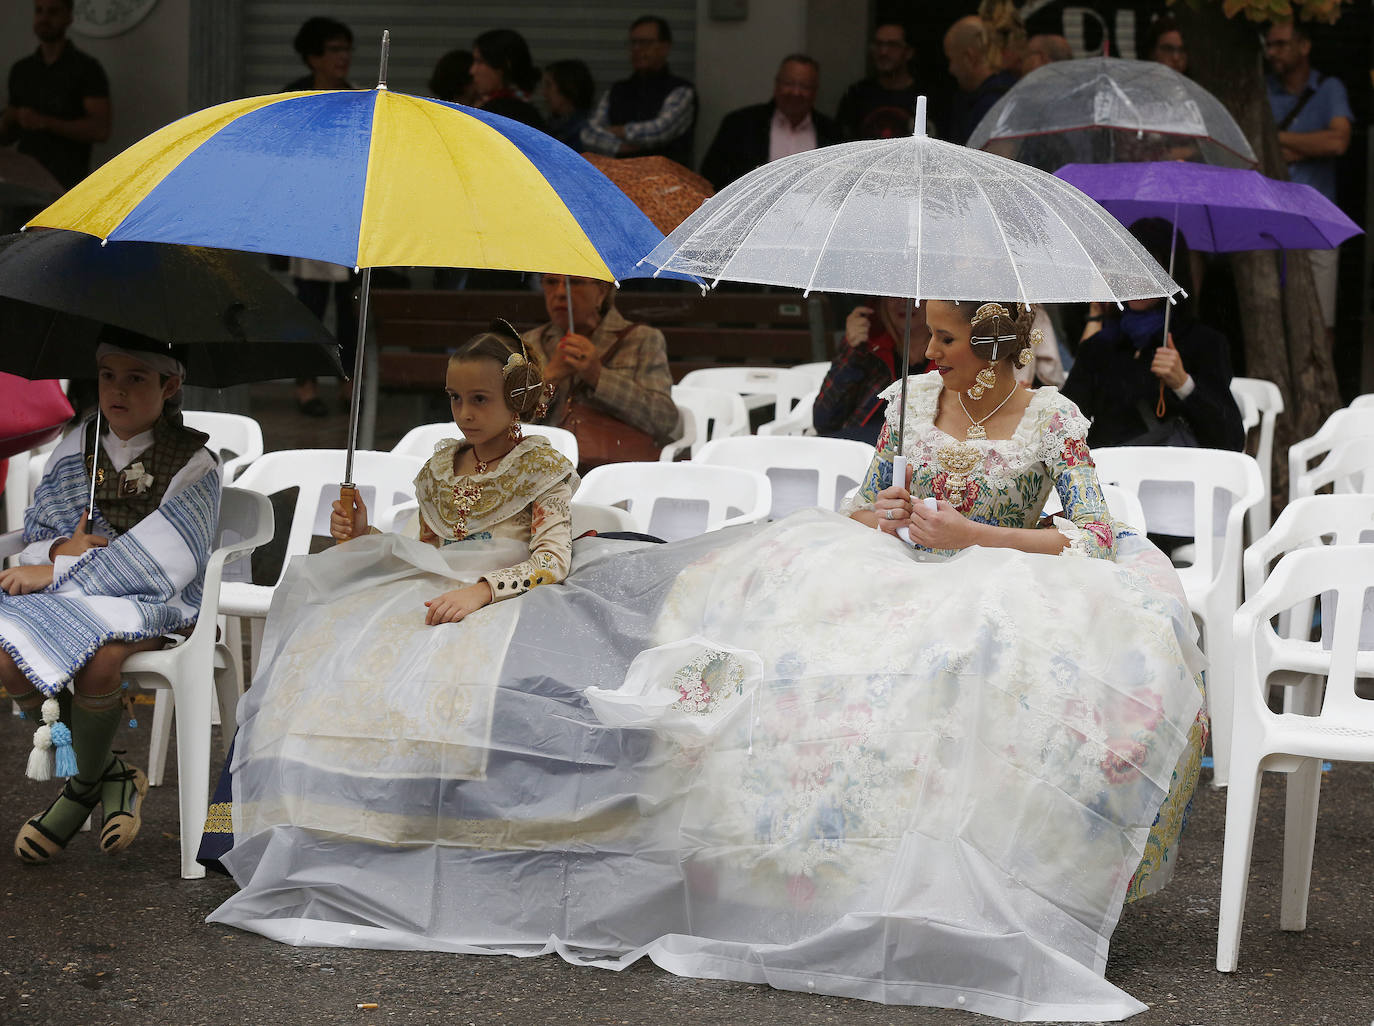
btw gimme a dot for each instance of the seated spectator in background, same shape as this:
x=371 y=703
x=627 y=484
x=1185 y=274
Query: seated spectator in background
x=451 y=79
x=789 y=123
x=59 y=99
x=651 y=112
x=1044 y=49
x=869 y=360
x=1122 y=361
x=568 y=95
x=1163 y=43
x=968 y=48
x=503 y=75
x=1313 y=115
x=595 y=360
x=884 y=105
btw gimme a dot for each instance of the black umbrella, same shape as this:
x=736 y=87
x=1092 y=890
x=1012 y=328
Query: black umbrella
x=222 y=313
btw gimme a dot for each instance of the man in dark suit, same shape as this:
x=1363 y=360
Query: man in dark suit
x=789 y=123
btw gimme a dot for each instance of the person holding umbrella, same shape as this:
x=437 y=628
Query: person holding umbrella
x=1141 y=388
x=101 y=580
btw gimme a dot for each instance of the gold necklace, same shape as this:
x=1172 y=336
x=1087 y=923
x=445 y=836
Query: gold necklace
x=959 y=459
x=975 y=427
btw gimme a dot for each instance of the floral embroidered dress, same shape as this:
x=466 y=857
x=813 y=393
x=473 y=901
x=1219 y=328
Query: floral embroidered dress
x=800 y=754
x=1014 y=476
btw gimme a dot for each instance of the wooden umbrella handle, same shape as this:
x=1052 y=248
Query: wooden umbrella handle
x=347 y=494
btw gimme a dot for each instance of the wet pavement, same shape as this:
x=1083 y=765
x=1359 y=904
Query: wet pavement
x=95 y=939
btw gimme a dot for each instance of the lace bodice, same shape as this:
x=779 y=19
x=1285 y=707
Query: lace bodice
x=1009 y=486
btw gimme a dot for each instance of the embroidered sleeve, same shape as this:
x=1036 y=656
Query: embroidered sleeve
x=550 y=546
x=641 y=392
x=877 y=477
x=1086 y=523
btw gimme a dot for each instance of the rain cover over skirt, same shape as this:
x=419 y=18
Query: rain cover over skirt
x=795 y=754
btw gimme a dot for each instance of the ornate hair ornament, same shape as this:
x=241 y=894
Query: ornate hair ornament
x=997 y=313
x=501 y=326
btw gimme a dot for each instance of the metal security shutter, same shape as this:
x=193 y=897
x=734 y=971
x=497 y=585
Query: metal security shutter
x=424 y=30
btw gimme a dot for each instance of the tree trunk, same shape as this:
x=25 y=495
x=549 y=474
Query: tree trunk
x=1285 y=340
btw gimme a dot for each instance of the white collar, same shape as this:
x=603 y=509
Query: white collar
x=122 y=452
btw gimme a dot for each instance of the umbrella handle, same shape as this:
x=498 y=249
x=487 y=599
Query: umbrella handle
x=347 y=493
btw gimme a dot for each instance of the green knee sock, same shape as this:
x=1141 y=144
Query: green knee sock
x=65 y=816
x=95 y=721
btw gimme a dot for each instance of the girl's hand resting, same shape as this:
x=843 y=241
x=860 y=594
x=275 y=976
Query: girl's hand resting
x=25 y=580
x=941 y=528
x=344 y=526
x=452 y=606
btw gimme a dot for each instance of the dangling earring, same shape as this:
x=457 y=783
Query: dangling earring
x=986 y=380
x=515 y=432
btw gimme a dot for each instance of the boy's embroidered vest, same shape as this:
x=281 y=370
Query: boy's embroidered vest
x=117 y=497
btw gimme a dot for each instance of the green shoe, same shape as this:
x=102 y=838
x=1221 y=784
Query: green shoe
x=41 y=838
x=123 y=787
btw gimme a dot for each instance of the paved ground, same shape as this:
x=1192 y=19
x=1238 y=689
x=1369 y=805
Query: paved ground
x=99 y=940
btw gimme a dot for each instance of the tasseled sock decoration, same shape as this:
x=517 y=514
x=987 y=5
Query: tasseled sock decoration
x=127 y=700
x=64 y=756
x=40 y=758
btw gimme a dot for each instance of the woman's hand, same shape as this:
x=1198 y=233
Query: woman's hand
x=857 y=325
x=452 y=606
x=24 y=580
x=346 y=524
x=1167 y=365
x=943 y=527
x=80 y=542
x=893 y=507
x=578 y=353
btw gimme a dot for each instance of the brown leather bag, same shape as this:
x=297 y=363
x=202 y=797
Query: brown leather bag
x=603 y=438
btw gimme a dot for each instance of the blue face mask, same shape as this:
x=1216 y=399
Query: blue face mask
x=1144 y=327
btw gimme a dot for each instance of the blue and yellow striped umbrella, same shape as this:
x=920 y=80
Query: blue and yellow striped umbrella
x=365 y=179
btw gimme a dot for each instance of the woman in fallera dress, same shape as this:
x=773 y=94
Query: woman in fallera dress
x=804 y=753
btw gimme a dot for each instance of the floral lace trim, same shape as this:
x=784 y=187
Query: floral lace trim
x=1047 y=424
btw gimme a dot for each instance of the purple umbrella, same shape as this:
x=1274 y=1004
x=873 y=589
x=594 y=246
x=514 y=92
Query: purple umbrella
x=1218 y=209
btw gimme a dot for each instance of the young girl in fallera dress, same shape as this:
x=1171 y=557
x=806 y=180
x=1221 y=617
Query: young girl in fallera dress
x=802 y=753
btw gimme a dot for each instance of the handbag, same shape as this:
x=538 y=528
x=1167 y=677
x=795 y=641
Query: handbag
x=32 y=413
x=1171 y=430
x=603 y=438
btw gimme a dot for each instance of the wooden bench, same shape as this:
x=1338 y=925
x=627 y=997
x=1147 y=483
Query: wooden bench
x=416 y=329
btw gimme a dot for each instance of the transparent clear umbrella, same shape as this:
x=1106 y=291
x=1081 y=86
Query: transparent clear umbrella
x=1104 y=110
x=913 y=217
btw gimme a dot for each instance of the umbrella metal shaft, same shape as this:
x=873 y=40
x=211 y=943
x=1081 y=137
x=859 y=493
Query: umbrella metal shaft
x=355 y=401
x=95 y=462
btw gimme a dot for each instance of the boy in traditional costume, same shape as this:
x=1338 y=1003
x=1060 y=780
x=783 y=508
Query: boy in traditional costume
x=95 y=585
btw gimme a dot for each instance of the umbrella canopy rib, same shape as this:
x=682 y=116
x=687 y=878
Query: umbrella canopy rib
x=837 y=219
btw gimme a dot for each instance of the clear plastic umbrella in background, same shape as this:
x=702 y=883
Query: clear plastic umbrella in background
x=1103 y=110
x=918 y=218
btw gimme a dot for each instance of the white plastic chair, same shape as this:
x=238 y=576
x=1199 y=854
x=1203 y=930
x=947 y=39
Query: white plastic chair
x=780 y=386
x=420 y=441
x=1363 y=402
x=588 y=516
x=1212 y=581
x=1334 y=724
x=706 y=413
x=198 y=666
x=1351 y=422
x=1348 y=468
x=25 y=473
x=229 y=432
x=798 y=422
x=1305 y=523
x=385 y=480
x=803 y=472
x=679 y=500
x=1266 y=402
